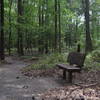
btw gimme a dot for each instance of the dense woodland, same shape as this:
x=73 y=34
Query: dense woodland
x=48 y=25
x=40 y=34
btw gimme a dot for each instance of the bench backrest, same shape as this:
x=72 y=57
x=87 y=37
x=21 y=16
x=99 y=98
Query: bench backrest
x=76 y=58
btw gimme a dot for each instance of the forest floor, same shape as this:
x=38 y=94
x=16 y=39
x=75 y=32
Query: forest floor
x=15 y=84
x=85 y=86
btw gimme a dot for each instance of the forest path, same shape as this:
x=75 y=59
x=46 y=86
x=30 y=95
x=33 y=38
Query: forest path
x=15 y=86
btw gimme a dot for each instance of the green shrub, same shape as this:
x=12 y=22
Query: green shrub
x=96 y=44
x=50 y=61
x=92 y=61
x=96 y=55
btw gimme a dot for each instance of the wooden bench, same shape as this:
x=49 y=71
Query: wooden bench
x=76 y=61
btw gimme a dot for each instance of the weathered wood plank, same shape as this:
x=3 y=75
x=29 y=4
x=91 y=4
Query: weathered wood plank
x=68 y=67
x=76 y=61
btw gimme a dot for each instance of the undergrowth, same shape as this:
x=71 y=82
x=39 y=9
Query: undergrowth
x=92 y=61
x=50 y=61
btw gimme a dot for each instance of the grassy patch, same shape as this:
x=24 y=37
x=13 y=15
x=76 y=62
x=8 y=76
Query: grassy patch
x=92 y=61
x=49 y=61
x=26 y=57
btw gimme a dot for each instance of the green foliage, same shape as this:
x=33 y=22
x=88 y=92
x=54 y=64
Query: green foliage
x=72 y=24
x=96 y=55
x=93 y=60
x=26 y=57
x=50 y=61
x=97 y=44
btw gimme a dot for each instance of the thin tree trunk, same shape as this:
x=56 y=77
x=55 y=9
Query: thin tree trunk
x=69 y=25
x=20 y=36
x=10 y=26
x=59 y=9
x=2 y=57
x=40 y=13
x=46 y=23
x=55 y=45
x=87 y=20
x=76 y=32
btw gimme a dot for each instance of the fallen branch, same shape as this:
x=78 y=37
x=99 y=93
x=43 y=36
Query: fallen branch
x=86 y=86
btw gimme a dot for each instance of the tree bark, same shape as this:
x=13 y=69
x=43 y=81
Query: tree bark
x=41 y=23
x=46 y=24
x=59 y=12
x=10 y=26
x=56 y=38
x=2 y=56
x=87 y=25
x=20 y=36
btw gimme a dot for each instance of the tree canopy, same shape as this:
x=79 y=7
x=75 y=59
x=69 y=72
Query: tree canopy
x=49 y=25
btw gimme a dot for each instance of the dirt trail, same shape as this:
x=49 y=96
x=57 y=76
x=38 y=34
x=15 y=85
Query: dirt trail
x=15 y=86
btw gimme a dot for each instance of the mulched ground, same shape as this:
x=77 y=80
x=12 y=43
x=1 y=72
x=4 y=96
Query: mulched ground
x=83 y=77
x=41 y=72
x=72 y=93
x=84 y=90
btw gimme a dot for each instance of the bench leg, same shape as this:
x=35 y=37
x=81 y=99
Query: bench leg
x=64 y=74
x=70 y=77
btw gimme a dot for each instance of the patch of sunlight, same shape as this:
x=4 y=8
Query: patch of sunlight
x=10 y=80
x=2 y=69
x=14 y=86
x=27 y=95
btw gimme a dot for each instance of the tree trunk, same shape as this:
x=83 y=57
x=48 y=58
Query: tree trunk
x=20 y=36
x=59 y=11
x=56 y=38
x=87 y=20
x=46 y=24
x=40 y=13
x=2 y=57
x=9 y=47
x=76 y=31
x=69 y=25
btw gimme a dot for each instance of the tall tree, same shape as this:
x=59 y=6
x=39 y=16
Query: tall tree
x=59 y=17
x=2 y=30
x=10 y=26
x=69 y=6
x=20 y=36
x=46 y=24
x=40 y=17
x=87 y=26
x=56 y=37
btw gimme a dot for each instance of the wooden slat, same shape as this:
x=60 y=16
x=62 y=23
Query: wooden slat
x=68 y=67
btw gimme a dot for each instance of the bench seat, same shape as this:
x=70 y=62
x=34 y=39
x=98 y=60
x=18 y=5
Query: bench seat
x=69 y=67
